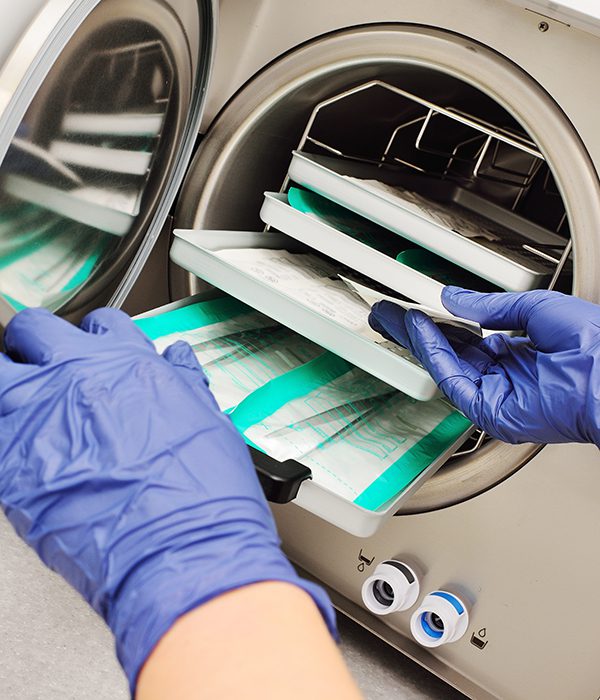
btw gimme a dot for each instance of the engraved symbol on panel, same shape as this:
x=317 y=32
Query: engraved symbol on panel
x=363 y=561
x=479 y=639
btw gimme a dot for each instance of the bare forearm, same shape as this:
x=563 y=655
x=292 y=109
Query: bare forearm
x=263 y=641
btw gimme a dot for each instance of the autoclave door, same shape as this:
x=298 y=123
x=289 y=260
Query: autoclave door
x=100 y=102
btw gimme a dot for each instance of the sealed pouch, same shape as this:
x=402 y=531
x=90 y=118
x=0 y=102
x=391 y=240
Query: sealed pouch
x=368 y=447
x=239 y=349
x=362 y=440
x=293 y=414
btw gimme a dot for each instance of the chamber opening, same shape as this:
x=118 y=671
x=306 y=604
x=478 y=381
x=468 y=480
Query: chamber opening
x=90 y=159
x=426 y=128
x=459 y=157
x=455 y=144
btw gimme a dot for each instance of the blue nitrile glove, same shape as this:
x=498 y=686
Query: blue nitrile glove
x=117 y=466
x=544 y=388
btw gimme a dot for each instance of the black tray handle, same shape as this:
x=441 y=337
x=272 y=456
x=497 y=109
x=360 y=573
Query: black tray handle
x=280 y=480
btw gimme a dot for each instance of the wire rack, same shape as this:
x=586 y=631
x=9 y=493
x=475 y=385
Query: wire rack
x=445 y=143
x=442 y=142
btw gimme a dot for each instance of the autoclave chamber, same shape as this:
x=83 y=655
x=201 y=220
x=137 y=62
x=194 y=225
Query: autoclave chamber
x=96 y=135
x=453 y=120
x=506 y=528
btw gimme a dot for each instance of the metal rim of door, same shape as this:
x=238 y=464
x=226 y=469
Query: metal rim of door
x=231 y=151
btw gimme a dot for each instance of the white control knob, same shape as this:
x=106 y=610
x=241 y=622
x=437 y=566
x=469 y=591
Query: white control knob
x=441 y=618
x=393 y=587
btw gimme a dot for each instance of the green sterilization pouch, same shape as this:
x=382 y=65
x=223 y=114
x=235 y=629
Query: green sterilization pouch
x=443 y=271
x=362 y=440
x=347 y=222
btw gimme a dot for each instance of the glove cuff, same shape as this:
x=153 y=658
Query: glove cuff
x=163 y=589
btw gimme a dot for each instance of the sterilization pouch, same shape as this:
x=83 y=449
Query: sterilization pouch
x=347 y=222
x=294 y=414
x=238 y=348
x=386 y=449
x=238 y=364
x=315 y=283
x=196 y=323
x=361 y=439
x=364 y=442
x=372 y=297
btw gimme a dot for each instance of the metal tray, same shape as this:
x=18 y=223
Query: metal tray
x=312 y=495
x=319 y=235
x=509 y=266
x=195 y=252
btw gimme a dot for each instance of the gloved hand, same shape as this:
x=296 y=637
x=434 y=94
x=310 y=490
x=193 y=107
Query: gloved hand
x=117 y=466
x=543 y=388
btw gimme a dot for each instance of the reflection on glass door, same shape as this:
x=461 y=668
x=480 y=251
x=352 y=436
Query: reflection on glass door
x=88 y=155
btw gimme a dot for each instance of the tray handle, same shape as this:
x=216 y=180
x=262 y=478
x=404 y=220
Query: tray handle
x=280 y=480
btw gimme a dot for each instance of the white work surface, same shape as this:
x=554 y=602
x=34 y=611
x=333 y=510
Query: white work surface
x=53 y=647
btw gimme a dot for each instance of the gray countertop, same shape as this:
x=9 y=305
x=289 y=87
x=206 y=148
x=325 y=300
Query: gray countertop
x=383 y=673
x=53 y=647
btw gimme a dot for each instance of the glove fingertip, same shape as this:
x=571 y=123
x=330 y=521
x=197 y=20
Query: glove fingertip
x=110 y=321
x=181 y=355
x=453 y=297
x=388 y=320
x=373 y=321
x=26 y=317
x=387 y=309
x=378 y=327
x=451 y=289
x=35 y=335
x=376 y=308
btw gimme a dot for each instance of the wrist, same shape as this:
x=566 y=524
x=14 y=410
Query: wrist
x=194 y=569
x=269 y=632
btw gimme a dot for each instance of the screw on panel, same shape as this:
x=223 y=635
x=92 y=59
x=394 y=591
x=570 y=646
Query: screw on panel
x=543 y=26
